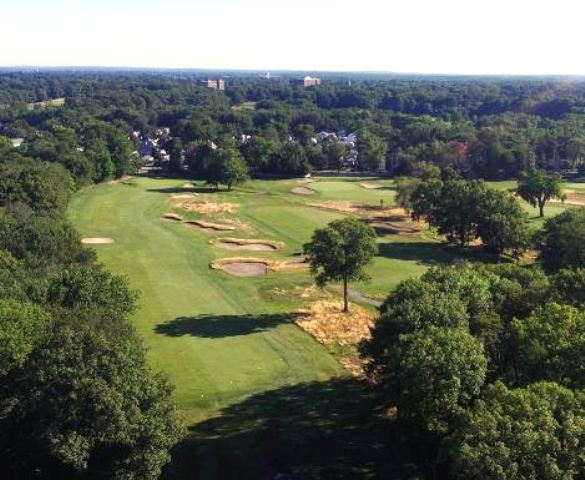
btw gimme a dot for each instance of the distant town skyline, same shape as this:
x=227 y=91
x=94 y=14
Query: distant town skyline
x=497 y=37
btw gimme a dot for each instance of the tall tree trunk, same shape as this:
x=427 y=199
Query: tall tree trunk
x=345 y=299
x=541 y=207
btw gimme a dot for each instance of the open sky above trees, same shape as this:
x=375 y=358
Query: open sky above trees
x=424 y=36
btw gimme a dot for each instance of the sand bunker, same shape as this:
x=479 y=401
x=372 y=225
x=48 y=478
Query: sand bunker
x=97 y=240
x=205 y=207
x=252 y=266
x=172 y=217
x=208 y=226
x=246 y=269
x=303 y=191
x=247 y=244
x=242 y=266
x=370 y=186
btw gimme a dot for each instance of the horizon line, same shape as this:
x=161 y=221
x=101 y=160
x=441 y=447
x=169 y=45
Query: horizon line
x=281 y=70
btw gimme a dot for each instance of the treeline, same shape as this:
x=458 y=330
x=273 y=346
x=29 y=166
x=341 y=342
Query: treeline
x=77 y=397
x=482 y=128
x=483 y=366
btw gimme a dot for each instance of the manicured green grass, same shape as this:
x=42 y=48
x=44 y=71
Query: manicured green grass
x=238 y=363
x=169 y=265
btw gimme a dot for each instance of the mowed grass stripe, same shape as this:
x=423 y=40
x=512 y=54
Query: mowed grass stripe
x=169 y=265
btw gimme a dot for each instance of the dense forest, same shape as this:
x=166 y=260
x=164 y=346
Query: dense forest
x=487 y=128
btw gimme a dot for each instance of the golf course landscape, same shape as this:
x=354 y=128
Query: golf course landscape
x=228 y=341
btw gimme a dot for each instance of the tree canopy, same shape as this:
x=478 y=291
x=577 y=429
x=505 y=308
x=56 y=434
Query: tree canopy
x=340 y=252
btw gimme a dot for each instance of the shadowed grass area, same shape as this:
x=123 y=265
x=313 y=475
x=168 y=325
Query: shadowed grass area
x=219 y=326
x=317 y=430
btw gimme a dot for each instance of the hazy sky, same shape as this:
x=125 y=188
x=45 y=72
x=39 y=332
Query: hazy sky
x=429 y=36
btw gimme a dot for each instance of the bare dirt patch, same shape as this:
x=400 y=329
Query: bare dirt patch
x=574 y=197
x=206 y=207
x=208 y=226
x=173 y=217
x=303 y=191
x=97 y=240
x=325 y=320
x=247 y=244
x=370 y=186
x=185 y=196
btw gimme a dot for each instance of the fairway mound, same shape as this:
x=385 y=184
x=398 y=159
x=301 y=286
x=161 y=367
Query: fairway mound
x=370 y=186
x=208 y=226
x=303 y=191
x=203 y=206
x=97 y=240
x=173 y=217
x=291 y=263
x=325 y=320
x=247 y=244
x=242 y=266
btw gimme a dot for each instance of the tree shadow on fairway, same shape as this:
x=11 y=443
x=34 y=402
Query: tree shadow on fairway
x=185 y=190
x=319 y=430
x=219 y=326
x=430 y=253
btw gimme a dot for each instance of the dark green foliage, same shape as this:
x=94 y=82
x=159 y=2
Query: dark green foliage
x=77 y=398
x=537 y=187
x=569 y=287
x=439 y=371
x=466 y=210
x=340 y=252
x=22 y=325
x=85 y=401
x=551 y=345
x=532 y=433
x=44 y=187
x=42 y=242
x=91 y=287
x=561 y=242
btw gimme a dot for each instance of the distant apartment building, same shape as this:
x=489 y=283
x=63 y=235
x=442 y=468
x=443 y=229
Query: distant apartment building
x=215 y=84
x=307 y=81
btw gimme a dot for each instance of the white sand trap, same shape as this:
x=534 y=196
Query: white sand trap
x=97 y=240
x=370 y=186
x=245 y=269
x=303 y=191
x=233 y=244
